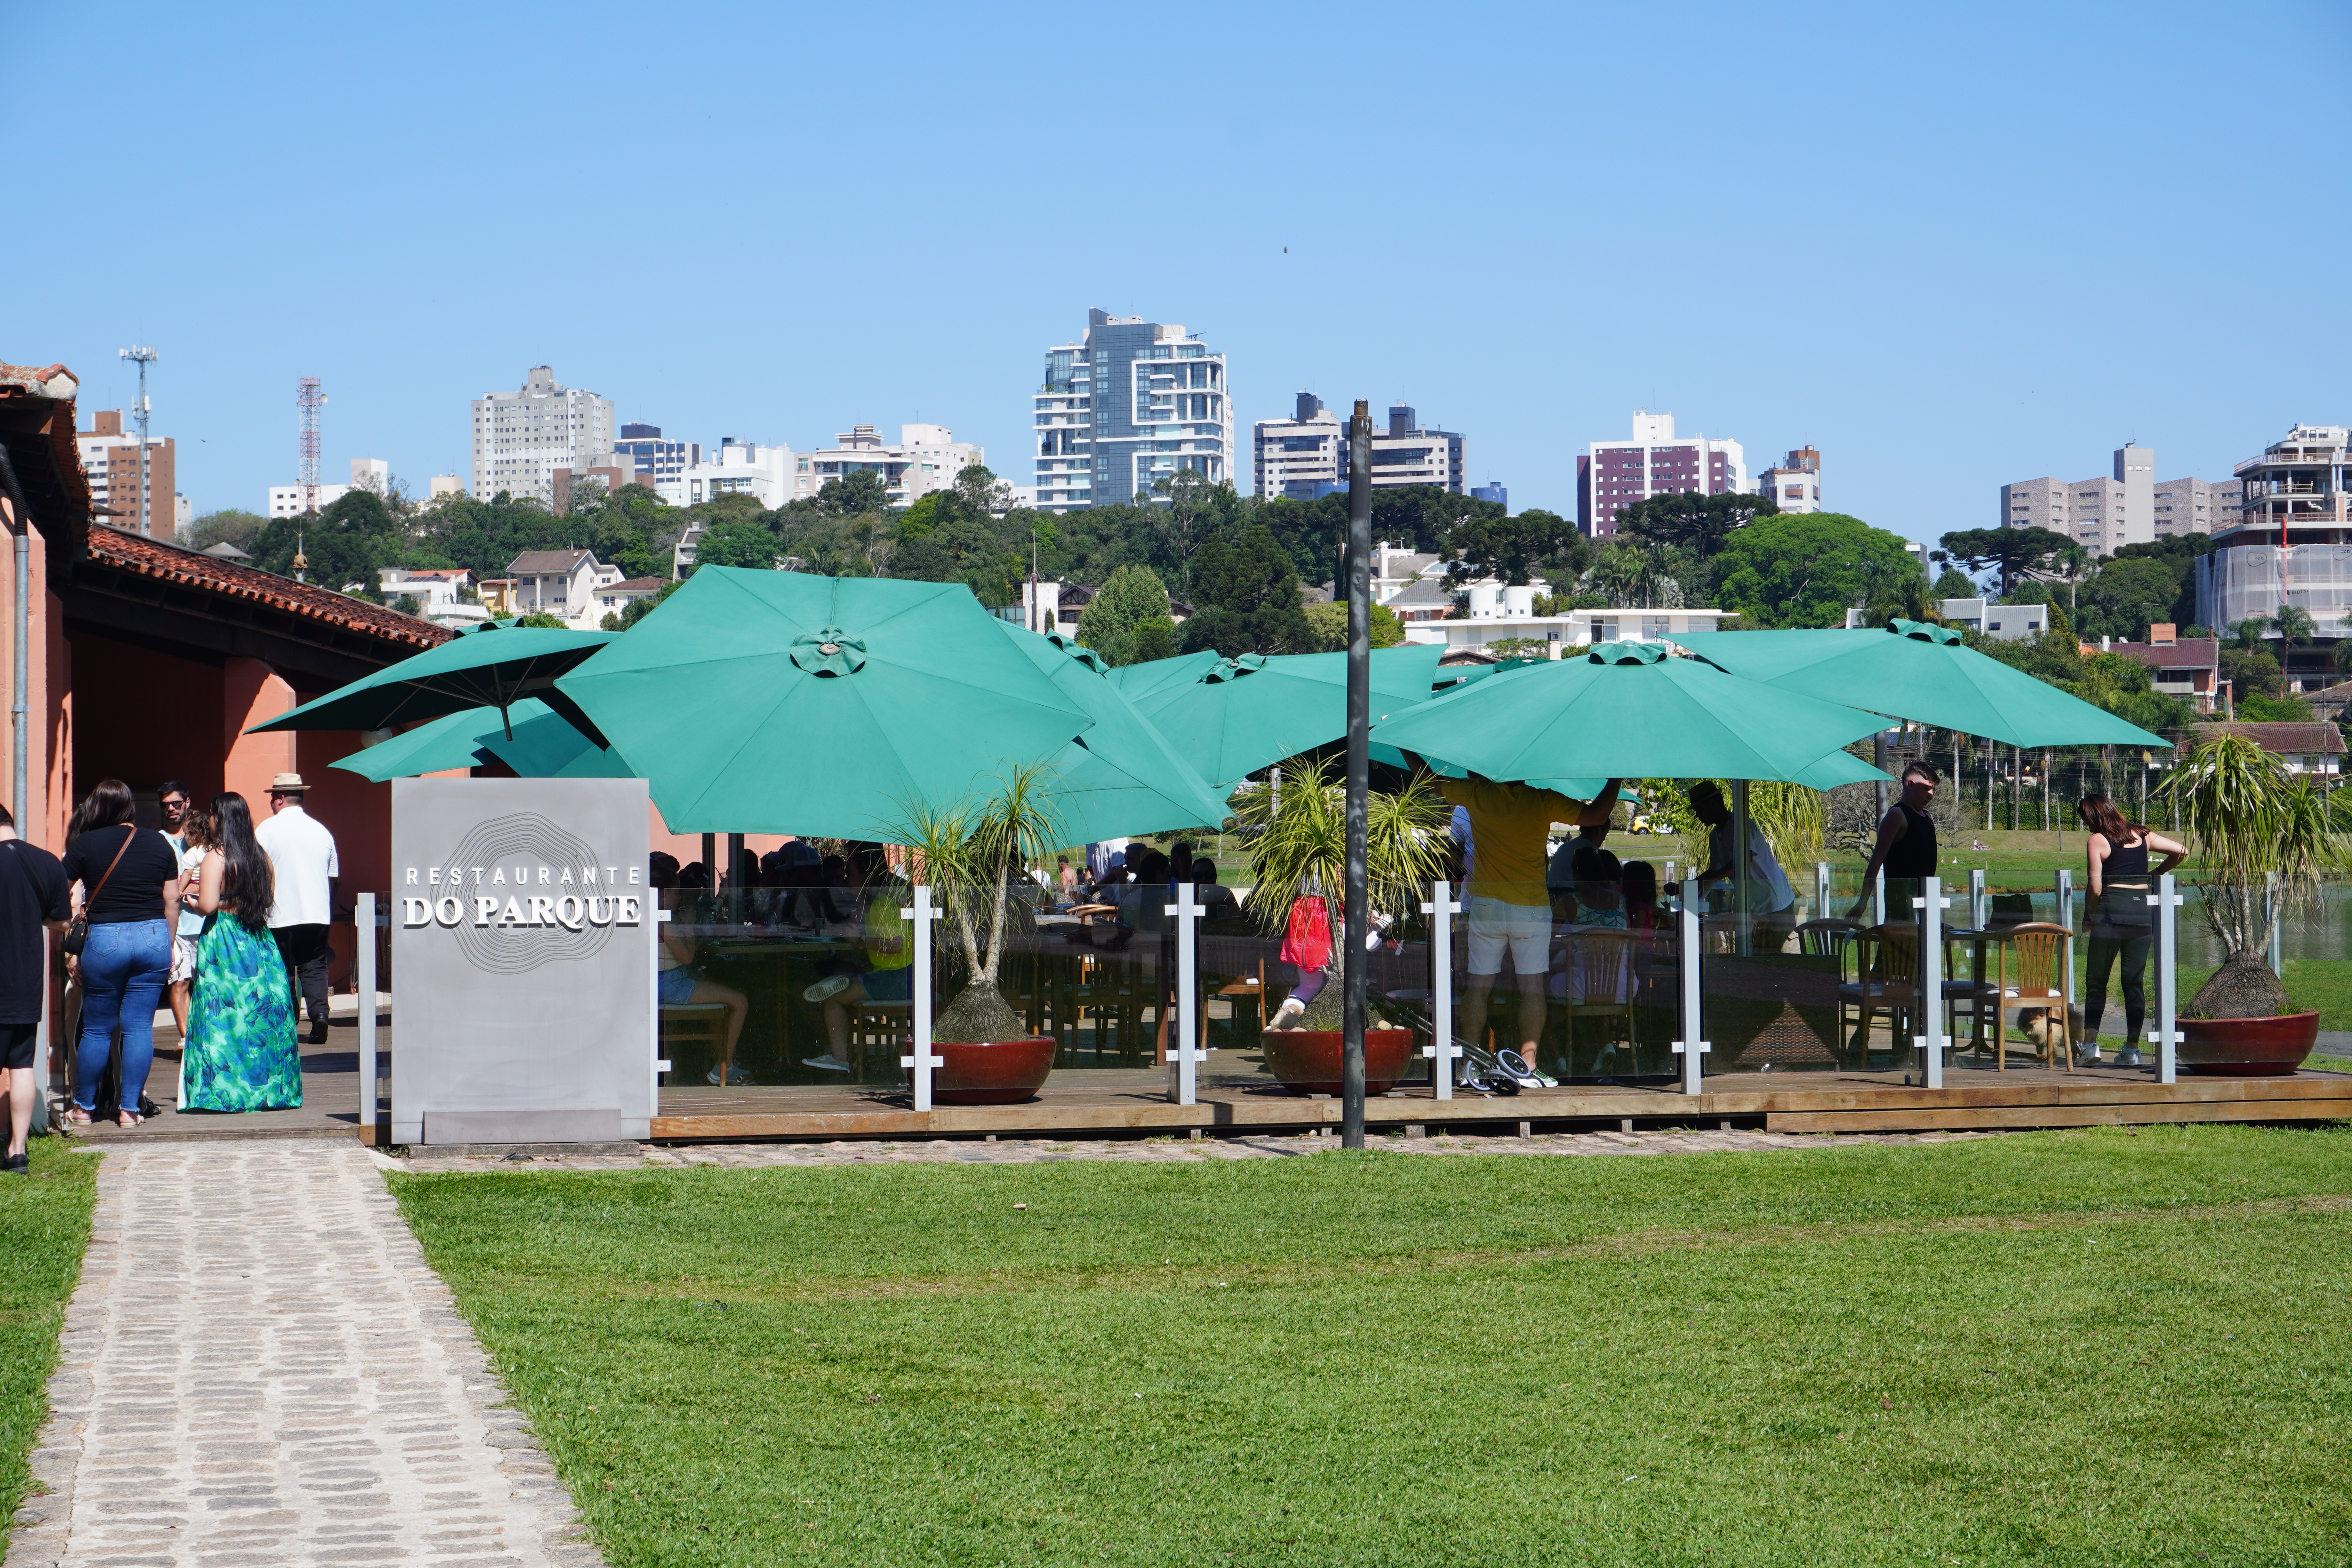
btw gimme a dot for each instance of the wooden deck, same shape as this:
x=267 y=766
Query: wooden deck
x=1135 y=1100
x=1095 y=1102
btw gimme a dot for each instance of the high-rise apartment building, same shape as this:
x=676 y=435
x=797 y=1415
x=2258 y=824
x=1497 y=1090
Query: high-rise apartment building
x=2130 y=506
x=522 y=438
x=649 y=454
x=1796 y=484
x=1307 y=455
x=1613 y=474
x=1492 y=491
x=111 y=458
x=926 y=458
x=1132 y=403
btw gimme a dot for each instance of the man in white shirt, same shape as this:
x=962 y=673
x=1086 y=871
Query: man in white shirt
x=302 y=861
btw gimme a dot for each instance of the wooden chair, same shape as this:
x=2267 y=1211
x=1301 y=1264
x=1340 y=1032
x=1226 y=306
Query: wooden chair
x=1826 y=938
x=1886 y=980
x=2031 y=972
x=1600 y=984
x=1250 y=988
x=695 y=1023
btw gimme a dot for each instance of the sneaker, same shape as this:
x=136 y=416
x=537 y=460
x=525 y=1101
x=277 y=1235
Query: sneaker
x=16 y=1165
x=825 y=1063
x=2088 y=1056
x=832 y=985
x=1291 y=1010
x=736 y=1074
x=2128 y=1057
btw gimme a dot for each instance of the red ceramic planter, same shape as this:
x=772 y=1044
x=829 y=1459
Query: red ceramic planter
x=2247 y=1048
x=1307 y=1061
x=990 y=1072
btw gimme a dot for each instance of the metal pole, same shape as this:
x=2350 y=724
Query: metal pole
x=2277 y=942
x=1878 y=786
x=1977 y=914
x=1878 y=898
x=2066 y=919
x=1441 y=908
x=1931 y=906
x=1690 y=1047
x=363 y=917
x=1742 y=942
x=1360 y=738
x=1183 y=1062
x=2168 y=944
x=923 y=1061
x=19 y=616
x=1820 y=889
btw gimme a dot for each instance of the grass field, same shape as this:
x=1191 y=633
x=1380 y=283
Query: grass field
x=2096 y=1347
x=44 y=1227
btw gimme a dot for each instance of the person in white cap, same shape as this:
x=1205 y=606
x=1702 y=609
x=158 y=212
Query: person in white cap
x=302 y=857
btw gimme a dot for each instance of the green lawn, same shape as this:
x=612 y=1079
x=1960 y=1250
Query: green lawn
x=2098 y=1347
x=44 y=1227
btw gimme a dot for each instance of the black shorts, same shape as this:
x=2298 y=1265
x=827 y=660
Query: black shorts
x=16 y=1043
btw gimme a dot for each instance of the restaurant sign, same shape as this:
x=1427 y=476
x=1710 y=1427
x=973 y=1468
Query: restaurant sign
x=522 y=960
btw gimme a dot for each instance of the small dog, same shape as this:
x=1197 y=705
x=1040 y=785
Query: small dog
x=2039 y=1025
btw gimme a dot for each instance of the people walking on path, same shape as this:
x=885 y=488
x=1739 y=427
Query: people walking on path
x=2121 y=925
x=240 y=1052
x=302 y=859
x=184 y=830
x=130 y=878
x=34 y=896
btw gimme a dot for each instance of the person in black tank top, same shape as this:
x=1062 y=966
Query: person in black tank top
x=2122 y=927
x=1906 y=850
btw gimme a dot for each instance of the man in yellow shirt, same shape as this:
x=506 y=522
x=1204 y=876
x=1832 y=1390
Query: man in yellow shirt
x=1509 y=905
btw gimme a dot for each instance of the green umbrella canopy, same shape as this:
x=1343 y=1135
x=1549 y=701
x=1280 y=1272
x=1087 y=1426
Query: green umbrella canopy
x=1628 y=710
x=783 y=702
x=548 y=746
x=1241 y=714
x=1151 y=680
x=1121 y=777
x=1913 y=670
x=452 y=741
x=492 y=669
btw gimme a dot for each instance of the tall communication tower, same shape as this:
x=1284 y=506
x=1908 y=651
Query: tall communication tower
x=143 y=357
x=309 y=399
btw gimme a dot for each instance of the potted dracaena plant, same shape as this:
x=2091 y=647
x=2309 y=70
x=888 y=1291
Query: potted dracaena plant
x=971 y=853
x=1298 y=856
x=2261 y=840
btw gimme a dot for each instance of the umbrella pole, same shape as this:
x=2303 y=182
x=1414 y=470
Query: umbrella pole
x=1360 y=736
x=1740 y=828
x=508 y=720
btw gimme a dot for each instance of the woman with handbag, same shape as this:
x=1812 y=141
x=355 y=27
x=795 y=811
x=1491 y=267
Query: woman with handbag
x=2121 y=924
x=241 y=1053
x=118 y=946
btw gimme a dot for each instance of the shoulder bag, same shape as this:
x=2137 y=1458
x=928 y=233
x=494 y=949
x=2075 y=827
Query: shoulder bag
x=78 y=933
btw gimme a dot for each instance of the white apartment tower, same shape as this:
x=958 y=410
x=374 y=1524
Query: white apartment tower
x=1796 y=484
x=522 y=438
x=1307 y=456
x=1614 y=475
x=1133 y=403
x=2131 y=506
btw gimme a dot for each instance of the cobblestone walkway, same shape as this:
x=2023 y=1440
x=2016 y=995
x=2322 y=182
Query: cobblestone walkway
x=257 y=1367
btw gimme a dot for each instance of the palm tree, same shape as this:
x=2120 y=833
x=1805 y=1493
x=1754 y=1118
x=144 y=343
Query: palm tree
x=969 y=852
x=2250 y=632
x=2341 y=655
x=2295 y=625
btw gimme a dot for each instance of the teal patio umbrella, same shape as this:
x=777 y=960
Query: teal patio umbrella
x=1239 y=715
x=488 y=667
x=1627 y=711
x=452 y=741
x=784 y=703
x=1920 y=672
x=1150 y=681
x=1121 y=777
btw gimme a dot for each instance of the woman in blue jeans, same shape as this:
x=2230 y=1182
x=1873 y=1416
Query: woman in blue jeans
x=129 y=890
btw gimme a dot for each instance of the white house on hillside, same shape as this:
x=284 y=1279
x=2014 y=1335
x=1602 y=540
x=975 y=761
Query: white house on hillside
x=561 y=582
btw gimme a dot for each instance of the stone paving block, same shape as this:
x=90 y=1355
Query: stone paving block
x=257 y=1367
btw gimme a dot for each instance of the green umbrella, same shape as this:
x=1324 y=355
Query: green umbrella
x=1121 y=777
x=1241 y=714
x=492 y=669
x=783 y=703
x=1627 y=711
x=1913 y=670
x=1151 y=680
x=452 y=741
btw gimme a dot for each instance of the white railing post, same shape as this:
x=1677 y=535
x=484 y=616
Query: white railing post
x=2066 y=919
x=1820 y=889
x=2167 y=1002
x=1690 y=1047
x=2277 y=925
x=1930 y=1040
x=1978 y=912
x=1878 y=901
x=1184 y=1061
x=363 y=922
x=1441 y=908
x=923 y=914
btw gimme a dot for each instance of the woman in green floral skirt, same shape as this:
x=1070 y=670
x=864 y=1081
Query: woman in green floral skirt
x=240 y=1053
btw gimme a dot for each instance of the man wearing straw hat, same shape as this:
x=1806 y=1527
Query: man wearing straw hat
x=302 y=861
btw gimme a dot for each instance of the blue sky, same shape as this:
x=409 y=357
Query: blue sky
x=1950 y=246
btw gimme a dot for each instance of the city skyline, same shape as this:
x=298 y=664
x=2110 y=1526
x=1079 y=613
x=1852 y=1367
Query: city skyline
x=1909 y=311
